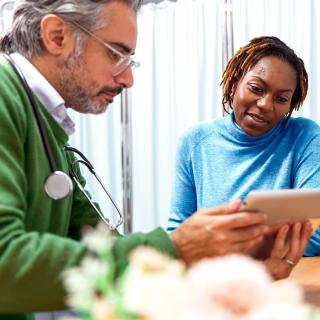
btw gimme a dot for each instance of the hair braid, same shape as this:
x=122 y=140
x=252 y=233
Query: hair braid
x=248 y=56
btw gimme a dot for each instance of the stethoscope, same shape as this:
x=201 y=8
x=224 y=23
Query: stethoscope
x=58 y=185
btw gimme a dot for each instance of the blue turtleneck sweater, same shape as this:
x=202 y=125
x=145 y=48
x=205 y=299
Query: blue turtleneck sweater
x=217 y=162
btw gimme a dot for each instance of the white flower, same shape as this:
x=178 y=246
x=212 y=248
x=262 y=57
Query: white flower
x=284 y=302
x=99 y=239
x=81 y=283
x=153 y=285
x=235 y=283
x=286 y=292
x=212 y=312
x=279 y=311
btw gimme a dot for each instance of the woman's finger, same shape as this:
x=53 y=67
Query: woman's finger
x=306 y=233
x=279 y=246
x=294 y=252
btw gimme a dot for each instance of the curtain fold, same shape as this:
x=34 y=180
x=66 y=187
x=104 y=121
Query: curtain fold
x=179 y=46
x=297 y=23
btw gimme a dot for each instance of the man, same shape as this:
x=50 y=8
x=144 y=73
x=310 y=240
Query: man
x=74 y=54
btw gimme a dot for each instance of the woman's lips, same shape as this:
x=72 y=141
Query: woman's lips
x=257 y=118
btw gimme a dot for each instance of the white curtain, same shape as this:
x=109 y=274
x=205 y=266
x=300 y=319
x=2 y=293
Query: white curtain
x=296 y=22
x=180 y=50
x=5 y=13
x=177 y=85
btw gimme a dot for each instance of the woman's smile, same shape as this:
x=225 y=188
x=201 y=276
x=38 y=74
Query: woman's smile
x=263 y=95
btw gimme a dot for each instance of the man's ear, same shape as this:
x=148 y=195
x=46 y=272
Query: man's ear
x=56 y=35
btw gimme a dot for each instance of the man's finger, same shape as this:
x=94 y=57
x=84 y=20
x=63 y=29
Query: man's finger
x=248 y=233
x=244 y=219
x=227 y=208
x=245 y=246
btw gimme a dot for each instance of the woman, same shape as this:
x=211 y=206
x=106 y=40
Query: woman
x=258 y=145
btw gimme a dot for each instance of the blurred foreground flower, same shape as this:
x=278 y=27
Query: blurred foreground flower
x=156 y=287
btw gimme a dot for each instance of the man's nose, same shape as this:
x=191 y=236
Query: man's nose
x=266 y=103
x=125 y=78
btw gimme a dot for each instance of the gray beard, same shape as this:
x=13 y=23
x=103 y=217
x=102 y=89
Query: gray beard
x=76 y=96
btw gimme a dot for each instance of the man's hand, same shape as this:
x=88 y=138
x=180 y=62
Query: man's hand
x=218 y=231
x=289 y=246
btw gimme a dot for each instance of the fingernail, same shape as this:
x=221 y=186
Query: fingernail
x=234 y=204
x=298 y=226
x=266 y=229
x=259 y=239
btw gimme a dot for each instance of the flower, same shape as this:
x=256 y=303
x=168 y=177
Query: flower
x=234 y=283
x=82 y=284
x=99 y=239
x=283 y=302
x=280 y=311
x=157 y=287
x=153 y=285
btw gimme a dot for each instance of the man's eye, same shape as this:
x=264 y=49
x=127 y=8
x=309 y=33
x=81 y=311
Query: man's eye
x=255 y=88
x=114 y=56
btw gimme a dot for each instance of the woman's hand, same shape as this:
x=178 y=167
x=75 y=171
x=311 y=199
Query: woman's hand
x=289 y=246
x=219 y=231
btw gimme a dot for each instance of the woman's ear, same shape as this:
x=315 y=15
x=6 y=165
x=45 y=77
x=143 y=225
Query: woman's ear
x=56 y=35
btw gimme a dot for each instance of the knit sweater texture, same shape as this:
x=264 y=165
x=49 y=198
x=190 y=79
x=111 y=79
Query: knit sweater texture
x=217 y=162
x=39 y=237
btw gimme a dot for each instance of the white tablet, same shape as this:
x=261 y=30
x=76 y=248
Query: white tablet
x=284 y=205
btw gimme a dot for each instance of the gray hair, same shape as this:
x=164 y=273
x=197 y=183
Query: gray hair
x=24 y=35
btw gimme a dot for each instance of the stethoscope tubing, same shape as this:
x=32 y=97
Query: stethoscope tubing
x=42 y=129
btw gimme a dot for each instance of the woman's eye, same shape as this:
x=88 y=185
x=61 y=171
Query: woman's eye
x=283 y=99
x=255 y=89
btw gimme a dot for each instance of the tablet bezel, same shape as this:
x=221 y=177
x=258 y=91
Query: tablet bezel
x=284 y=205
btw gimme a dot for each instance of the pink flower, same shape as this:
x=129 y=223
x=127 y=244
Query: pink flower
x=235 y=283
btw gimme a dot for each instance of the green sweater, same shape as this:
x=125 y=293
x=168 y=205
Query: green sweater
x=39 y=236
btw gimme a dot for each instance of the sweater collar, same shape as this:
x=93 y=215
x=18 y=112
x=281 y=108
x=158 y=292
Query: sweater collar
x=238 y=134
x=46 y=93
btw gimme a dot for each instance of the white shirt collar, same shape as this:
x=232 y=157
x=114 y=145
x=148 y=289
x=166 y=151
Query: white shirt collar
x=45 y=92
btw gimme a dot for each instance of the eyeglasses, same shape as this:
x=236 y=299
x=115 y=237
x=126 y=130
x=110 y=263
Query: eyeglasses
x=73 y=169
x=122 y=61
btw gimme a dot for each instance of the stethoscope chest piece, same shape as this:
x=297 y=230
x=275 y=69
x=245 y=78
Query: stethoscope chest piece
x=58 y=185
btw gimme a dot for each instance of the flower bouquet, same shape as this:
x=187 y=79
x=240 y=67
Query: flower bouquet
x=156 y=287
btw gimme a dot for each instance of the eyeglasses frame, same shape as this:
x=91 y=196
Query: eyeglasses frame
x=126 y=60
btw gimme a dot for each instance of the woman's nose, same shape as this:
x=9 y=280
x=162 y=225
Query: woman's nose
x=265 y=103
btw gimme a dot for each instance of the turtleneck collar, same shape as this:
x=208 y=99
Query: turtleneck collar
x=234 y=132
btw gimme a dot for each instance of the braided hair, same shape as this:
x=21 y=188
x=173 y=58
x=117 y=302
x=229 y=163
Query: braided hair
x=249 y=55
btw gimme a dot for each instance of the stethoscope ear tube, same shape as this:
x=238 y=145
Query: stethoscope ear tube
x=58 y=185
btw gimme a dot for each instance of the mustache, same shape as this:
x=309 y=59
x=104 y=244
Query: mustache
x=110 y=91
